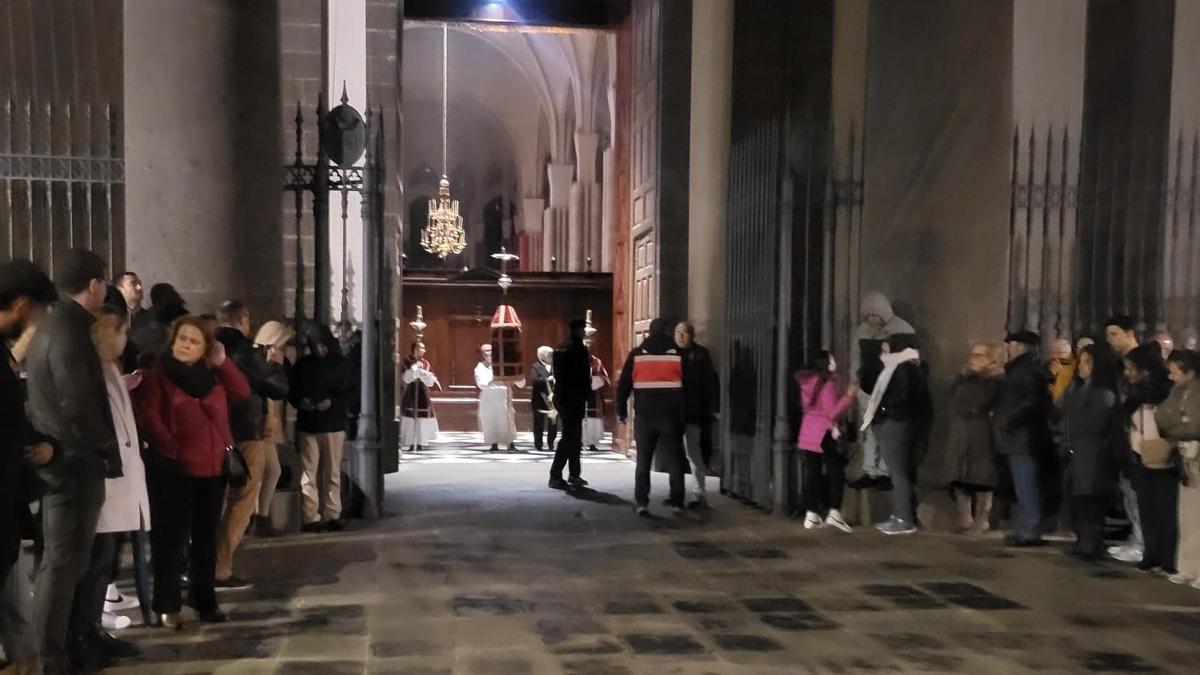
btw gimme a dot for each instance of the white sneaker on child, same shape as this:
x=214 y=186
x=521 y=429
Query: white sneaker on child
x=835 y=519
x=812 y=521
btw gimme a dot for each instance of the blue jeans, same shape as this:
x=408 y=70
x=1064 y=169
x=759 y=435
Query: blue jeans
x=1025 y=484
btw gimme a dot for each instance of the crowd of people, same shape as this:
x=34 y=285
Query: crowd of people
x=130 y=423
x=1103 y=426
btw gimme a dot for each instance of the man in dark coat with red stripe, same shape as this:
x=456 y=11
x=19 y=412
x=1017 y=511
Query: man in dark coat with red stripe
x=653 y=374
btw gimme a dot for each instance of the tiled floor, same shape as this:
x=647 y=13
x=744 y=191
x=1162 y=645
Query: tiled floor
x=481 y=569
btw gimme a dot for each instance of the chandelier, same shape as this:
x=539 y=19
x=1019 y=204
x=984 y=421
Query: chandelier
x=443 y=233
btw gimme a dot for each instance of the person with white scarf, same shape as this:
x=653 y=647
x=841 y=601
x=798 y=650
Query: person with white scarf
x=892 y=414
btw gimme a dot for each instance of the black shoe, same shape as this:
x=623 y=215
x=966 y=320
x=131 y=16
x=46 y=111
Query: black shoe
x=87 y=656
x=592 y=448
x=550 y=448
x=313 y=528
x=883 y=484
x=335 y=525
x=558 y=484
x=233 y=583
x=863 y=482
x=114 y=647
x=420 y=448
x=1017 y=541
x=512 y=449
x=263 y=527
x=577 y=481
x=213 y=616
x=494 y=448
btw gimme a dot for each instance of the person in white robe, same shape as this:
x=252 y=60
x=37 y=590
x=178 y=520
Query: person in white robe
x=418 y=423
x=497 y=418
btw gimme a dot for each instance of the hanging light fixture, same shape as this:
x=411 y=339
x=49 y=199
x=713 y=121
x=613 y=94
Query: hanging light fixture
x=443 y=233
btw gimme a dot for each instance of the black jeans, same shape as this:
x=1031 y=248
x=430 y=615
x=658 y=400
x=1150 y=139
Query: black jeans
x=1088 y=513
x=89 y=599
x=663 y=435
x=895 y=439
x=1158 y=505
x=824 y=477
x=70 y=511
x=183 y=507
x=569 y=447
x=543 y=425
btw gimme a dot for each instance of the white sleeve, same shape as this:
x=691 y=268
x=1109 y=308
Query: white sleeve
x=483 y=376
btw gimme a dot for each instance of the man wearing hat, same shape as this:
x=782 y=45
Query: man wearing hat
x=1022 y=424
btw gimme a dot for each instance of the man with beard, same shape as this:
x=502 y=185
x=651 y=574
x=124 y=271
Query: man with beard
x=25 y=292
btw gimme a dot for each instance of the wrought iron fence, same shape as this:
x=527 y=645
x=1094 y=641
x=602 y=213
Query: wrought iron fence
x=1101 y=228
x=62 y=181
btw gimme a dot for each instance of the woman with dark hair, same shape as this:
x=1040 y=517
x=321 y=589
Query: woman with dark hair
x=823 y=401
x=183 y=411
x=895 y=413
x=971 y=453
x=1179 y=421
x=1084 y=433
x=318 y=391
x=1157 y=481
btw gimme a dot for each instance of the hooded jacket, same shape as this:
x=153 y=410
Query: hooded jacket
x=247 y=417
x=864 y=352
x=653 y=375
x=320 y=378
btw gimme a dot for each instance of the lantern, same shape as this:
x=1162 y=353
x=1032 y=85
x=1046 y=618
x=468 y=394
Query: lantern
x=507 y=360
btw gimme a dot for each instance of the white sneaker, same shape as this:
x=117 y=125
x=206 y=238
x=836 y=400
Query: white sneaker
x=887 y=524
x=112 y=621
x=1180 y=579
x=115 y=602
x=812 y=521
x=835 y=519
x=1127 y=554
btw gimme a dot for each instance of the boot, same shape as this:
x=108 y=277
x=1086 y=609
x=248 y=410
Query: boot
x=983 y=513
x=962 y=500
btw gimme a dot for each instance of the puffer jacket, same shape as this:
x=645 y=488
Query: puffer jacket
x=820 y=408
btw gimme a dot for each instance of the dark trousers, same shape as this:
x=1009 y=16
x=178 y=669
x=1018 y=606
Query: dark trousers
x=1158 y=504
x=1088 y=514
x=70 y=511
x=569 y=447
x=895 y=440
x=542 y=424
x=89 y=599
x=662 y=435
x=824 y=477
x=141 y=572
x=183 y=507
x=1029 y=506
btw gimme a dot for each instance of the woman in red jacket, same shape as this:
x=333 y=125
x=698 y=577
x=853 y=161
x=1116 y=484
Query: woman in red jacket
x=183 y=412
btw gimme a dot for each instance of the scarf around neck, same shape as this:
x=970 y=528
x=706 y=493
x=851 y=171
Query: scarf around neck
x=196 y=380
x=890 y=363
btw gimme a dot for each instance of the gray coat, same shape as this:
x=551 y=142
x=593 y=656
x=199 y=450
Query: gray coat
x=1085 y=435
x=68 y=401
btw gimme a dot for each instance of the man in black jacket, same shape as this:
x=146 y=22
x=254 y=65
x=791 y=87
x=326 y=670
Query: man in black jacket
x=247 y=421
x=68 y=403
x=25 y=292
x=572 y=389
x=653 y=375
x=1022 y=422
x=700 y=398
x=545 y=425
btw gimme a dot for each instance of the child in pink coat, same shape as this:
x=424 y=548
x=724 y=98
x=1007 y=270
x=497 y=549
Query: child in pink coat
x=823 y=401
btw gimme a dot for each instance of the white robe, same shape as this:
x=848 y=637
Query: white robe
x=497 y=419
x=126 y=503
x=418 y=430
x=593 y=427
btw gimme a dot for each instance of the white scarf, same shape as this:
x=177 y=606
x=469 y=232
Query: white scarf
x=890 y=363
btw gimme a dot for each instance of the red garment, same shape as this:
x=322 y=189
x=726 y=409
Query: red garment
x=820 y=414
x=595 y=406
x=195 y=432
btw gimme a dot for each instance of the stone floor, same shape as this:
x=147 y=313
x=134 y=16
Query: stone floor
x=481 y=569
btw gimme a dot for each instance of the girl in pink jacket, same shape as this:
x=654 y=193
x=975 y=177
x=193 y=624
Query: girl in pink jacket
x=823 y=401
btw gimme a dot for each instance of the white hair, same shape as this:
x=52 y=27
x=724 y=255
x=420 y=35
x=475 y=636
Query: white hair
x=544 y=352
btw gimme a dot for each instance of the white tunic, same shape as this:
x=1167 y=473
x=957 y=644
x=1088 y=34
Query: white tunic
x=418 y=430
x=497 y=420
x=126 y=504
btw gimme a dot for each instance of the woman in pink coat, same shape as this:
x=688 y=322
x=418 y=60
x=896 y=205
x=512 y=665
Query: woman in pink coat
x=823 y=401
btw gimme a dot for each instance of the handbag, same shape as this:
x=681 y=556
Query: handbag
x=1155 y=452
x=234 y=468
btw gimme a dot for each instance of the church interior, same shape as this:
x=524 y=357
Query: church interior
x=469 y=173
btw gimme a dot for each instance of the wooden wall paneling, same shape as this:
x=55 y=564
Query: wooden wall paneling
x=622 y=257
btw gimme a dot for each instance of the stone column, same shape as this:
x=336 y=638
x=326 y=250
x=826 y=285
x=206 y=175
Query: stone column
x=556 y=217
x=712 y=53
x=1181 y=231
x=585 y=221
x=531 y=213
x=1047 y=101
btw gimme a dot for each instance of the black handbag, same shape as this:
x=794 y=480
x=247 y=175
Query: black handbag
x=234 y=468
